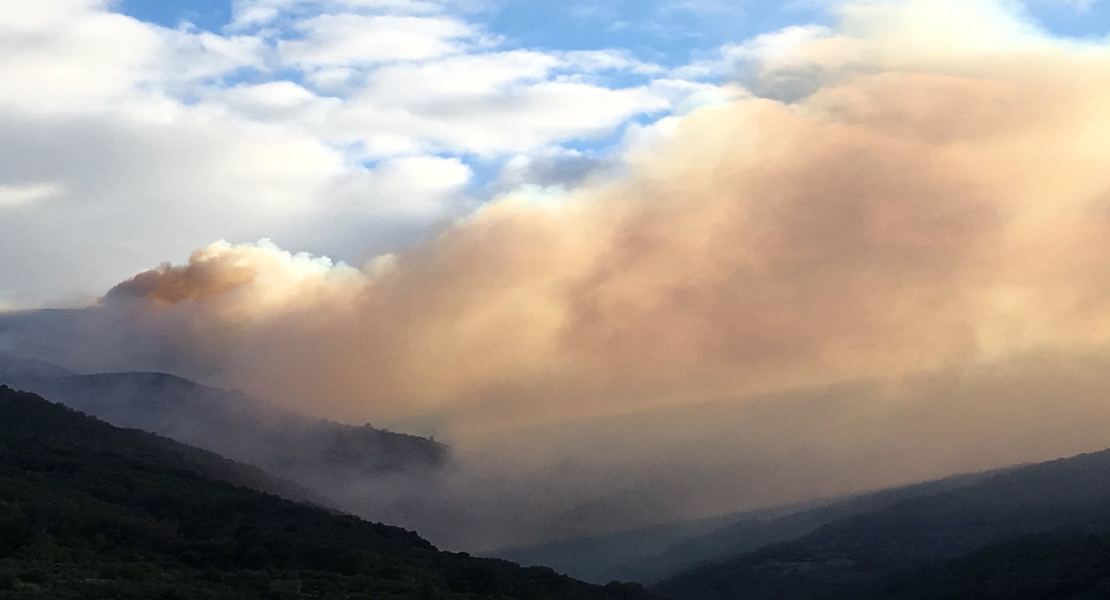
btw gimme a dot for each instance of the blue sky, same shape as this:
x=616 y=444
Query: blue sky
x=208 y=14
x=662 y=31
x=1084 y=21
x=669 y=33
x=640 y=25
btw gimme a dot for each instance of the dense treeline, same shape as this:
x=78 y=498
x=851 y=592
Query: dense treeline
x=92 y=511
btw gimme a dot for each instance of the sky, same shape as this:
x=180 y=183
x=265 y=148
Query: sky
x=668 y=258
x=135 y=131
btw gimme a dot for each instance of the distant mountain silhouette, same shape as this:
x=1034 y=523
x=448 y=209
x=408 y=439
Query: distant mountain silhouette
x=16 y=368
x=655 y=553
x=861 y=555
x=283 y=442
x=88 y=510
x=599 y=558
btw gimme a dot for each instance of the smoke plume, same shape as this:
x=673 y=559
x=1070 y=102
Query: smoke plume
x=893 y=212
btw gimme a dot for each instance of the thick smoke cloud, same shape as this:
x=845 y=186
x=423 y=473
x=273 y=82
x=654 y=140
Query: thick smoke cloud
x=911 y=240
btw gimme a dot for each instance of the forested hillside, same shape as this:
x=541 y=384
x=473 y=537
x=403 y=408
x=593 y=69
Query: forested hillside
x=93 y=511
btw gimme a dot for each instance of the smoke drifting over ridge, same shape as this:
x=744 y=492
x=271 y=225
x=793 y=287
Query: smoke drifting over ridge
x=918 y=210
x=936 y=200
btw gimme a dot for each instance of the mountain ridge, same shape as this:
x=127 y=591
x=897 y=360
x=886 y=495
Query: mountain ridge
x=846 y=558
x=280 y=441
x=676 y=547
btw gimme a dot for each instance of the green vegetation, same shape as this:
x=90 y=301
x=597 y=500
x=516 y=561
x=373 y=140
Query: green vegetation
x=91 y=511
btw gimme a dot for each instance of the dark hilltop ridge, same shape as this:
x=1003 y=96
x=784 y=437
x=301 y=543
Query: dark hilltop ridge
x=89 y=510
x=286 y=443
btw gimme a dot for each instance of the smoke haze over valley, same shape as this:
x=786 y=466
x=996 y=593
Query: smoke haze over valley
x=864 y=249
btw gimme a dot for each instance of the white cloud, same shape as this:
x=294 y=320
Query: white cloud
x=32 y=16
x=512 y=119
x=461 y=76
x=488 y=104
x=52 y=63
x=775 y=49
x=66 y=55
x=493 y=103
x=254 y=13
x=280 y=102
x=417 y=185
x=332 y=79
x=98 y=156
x=22 y=194
x=135 y=143
x=606 y=60
x=348 y=39
x=196 y=55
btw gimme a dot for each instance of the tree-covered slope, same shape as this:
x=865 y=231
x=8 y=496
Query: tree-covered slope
x=847 y=558
x=88 y=510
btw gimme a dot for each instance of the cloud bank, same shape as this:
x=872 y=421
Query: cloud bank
x=346 y=127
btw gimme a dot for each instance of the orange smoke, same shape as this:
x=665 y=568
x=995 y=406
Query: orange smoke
x=925 y=207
